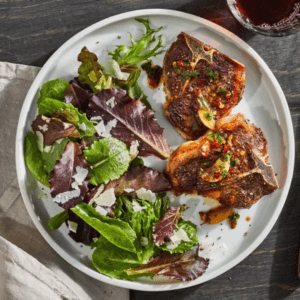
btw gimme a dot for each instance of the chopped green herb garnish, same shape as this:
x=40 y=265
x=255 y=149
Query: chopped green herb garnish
x=210 y=74
x=186 y=76
x=233 y=163
x=206 y=164
x=194 y=126
x=221 y=91
x=194 y=73
x=228 y=156
x=222 y=165
x=208 y=116
x=224 y=174
x=177 y=69
x=235 y=217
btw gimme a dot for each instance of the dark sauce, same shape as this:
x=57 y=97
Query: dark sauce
x=266 y=11
x=154 y=74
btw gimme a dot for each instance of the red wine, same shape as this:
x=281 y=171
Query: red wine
x=269 y=12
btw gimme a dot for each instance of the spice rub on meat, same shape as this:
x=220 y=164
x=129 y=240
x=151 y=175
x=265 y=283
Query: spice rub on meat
x=229 y=164
x=201 y=85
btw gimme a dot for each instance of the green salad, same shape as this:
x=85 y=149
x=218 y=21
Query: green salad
x=87 y=145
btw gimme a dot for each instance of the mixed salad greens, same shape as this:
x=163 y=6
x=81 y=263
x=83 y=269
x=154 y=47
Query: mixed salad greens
x=86 y=145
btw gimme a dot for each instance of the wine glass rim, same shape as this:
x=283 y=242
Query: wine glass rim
x=246 y=23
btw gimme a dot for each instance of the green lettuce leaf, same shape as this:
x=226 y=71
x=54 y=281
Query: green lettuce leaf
x=90 y=72
x=142 y=221
x=112 y=261
x=191 y=231
x=53 y=89
x=33 y=159
x=56 y=221
x=139 y=51
x=52 y=106
x=55 y=151
x=109 y=159
x=115 y=231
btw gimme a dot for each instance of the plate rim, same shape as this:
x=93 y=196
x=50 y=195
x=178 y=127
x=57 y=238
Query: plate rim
x=20 y=162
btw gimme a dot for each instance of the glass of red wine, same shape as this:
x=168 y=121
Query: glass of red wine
x=268 y=17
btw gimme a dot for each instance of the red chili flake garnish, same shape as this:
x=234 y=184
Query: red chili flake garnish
x=215 y=103
x=180 y=64
x=228 y=96
x=232 y=171
x=226 y=148
x=235 y=143
x=217 y=175
x=248 y=219
x=219 y=99
x=215 y=145
x=234 y=153
x=209 y=98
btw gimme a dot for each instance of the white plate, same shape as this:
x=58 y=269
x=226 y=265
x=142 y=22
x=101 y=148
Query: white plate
x=263 y=103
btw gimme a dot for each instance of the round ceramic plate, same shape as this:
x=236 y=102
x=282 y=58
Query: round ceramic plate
x=263 y=104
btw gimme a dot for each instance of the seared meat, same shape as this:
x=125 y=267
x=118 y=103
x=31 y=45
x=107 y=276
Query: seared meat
x=201 y=85
x=229 y=165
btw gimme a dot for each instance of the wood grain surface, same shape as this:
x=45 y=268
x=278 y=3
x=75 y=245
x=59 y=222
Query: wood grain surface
x=30 y=31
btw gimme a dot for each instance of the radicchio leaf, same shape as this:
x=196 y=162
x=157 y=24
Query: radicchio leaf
x=140 y=177
x=78 y=95
x=134 y=121
x=53 y=129
x=61 y=176
x=184 y=267
x=163 y=230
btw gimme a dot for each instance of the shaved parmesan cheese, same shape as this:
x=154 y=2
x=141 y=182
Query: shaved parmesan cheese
x=104 y=130
x=99 y=191
x=66 y=196
x=111 y=102
x=144 y=194
x=96 y=118
x=67 y=125
x=107 y=198
x=116 y=71
x=178 y=236
x=47 y=149
x=40 y=140
x=133 y=151
x=79 y=177
x=101 y=210
x=82 y=126
x=43 y=128
x=144 y=241
x=72 y=226
x=208 y=248
x=136 y=206
x=59 y=141
x=128 y=190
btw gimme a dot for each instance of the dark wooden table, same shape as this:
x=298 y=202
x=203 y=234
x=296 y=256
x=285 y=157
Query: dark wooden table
x=30 y=31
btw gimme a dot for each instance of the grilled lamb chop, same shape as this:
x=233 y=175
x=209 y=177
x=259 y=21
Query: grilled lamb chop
x=201 y=85
x=229 y=165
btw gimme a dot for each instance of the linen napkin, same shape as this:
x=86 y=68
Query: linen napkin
x=29 y=268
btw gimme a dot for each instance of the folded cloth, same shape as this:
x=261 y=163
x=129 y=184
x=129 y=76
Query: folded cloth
x=29 y=268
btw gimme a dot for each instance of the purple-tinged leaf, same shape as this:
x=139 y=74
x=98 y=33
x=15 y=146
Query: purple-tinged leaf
x=84 y=233
x=62 y=175
x=53 y=129
x=163 y=230
x=78 y=95
x=134 y=121
x=139 y=177
x=184 y=267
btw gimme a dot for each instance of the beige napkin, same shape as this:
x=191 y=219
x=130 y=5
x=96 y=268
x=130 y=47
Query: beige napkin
x=29 y=268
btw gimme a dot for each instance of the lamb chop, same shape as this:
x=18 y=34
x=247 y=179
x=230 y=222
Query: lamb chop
x=201 y=85
x=229 y=164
